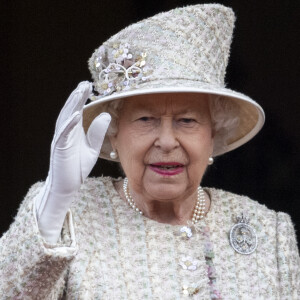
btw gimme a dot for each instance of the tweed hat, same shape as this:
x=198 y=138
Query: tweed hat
x=184 y=50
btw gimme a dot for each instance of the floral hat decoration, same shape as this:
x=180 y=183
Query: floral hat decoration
x=184 y=50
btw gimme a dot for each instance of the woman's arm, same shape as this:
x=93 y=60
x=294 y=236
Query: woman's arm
x=36 y=250
x=31 y=268
x=288 y=258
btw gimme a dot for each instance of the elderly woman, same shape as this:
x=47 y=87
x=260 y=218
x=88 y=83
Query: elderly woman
x=160 y=108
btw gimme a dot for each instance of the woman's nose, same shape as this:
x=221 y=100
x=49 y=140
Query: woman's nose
x=166 y=138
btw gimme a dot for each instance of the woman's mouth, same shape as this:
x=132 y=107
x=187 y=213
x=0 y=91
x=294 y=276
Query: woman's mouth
x=167 y=168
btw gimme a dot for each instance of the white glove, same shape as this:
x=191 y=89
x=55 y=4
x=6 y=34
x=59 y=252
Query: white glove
x=73 y=155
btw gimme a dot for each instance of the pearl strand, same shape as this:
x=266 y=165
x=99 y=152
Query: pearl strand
x=198 y=212
x=128 y=196
x=199 y=209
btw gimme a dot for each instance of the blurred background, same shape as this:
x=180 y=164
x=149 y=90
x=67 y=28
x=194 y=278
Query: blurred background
x=45 y=48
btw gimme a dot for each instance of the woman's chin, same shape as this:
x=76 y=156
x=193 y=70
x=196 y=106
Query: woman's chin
x=166 y=191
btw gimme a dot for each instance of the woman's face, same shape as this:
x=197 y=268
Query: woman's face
x=164 y=142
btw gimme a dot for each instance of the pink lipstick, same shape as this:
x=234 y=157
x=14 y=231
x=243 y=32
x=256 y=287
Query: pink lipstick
x=167 y=168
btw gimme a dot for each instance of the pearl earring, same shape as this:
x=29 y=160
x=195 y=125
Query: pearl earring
x=210 y=161
x=113 y=154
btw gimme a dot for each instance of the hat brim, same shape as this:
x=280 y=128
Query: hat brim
x=251 y=114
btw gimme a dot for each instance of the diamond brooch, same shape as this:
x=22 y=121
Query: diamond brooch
x=242 y=236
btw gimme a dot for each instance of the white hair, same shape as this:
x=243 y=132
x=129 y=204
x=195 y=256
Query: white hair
x=225 y=120
x=224 y=117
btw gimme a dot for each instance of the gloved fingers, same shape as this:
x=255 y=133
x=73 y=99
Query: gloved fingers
x=74 y=103
x=97 y=130
x=61 y=138
x=92 y=146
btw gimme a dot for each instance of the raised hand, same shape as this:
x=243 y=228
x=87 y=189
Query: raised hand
x=73 y=155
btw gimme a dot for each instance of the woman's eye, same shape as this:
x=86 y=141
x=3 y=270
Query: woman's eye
x=187 y=120
x=145 y=119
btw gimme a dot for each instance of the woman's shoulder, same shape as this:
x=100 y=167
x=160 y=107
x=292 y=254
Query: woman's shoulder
x=98 y=184
x=237 y=204
x=97 y=181
x=96 y=191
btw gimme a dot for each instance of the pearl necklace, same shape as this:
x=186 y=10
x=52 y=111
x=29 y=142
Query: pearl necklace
x=198 y=212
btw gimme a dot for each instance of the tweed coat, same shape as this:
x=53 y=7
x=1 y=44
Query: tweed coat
x=108 y=251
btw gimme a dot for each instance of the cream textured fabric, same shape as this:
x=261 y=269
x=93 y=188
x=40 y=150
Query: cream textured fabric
x=119 y=254
x=182 y=50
